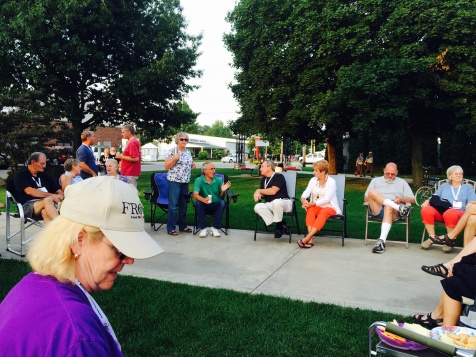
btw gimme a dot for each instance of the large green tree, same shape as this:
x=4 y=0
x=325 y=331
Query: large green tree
x=219 y=129
x=99 y=62
x=315 y=69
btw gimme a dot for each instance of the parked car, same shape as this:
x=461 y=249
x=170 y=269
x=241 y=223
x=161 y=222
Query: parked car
x=57 y=155
x=311 y=158
x=231 y=158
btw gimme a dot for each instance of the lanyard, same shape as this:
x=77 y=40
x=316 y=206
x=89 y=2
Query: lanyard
x=99 y=314
x=457 y=193
x=38 y=183
x=266 y=183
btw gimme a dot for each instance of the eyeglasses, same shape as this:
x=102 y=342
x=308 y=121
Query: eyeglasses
x=390 y=174
x=118 y=252
x=42 y=163
x=183 y=139
x=211 y=168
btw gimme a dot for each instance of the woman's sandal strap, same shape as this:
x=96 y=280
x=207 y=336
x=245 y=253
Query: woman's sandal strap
x=444 y=239
x=429 y=322
x=438 y=270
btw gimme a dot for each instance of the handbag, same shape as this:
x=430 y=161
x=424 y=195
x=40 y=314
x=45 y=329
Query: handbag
x=440 y=204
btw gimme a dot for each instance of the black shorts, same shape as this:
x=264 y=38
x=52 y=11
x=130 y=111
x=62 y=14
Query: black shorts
x=462 y=283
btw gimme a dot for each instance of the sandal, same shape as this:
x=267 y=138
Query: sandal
x=186 y=230
x=308 y=245
x=429 y=322
x=173 y=233
x=300 y=243
x=438 y=270
x=444 y=239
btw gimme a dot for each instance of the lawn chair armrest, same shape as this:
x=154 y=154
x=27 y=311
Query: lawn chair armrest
x=148 y=194
x=231 y=196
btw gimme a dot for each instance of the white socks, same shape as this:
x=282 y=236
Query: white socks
x=384 y=231
x=390 y=203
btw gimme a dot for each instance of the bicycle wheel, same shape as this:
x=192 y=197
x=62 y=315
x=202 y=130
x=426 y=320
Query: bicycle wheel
x=424 y=193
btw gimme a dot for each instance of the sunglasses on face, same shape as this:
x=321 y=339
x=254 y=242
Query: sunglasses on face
x=183 y=139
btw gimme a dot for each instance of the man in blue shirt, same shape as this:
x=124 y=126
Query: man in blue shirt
x=85 y=155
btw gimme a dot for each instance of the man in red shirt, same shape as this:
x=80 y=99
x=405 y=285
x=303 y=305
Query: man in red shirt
x=131 y=156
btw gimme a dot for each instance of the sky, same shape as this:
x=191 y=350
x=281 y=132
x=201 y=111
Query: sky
x=214 y=100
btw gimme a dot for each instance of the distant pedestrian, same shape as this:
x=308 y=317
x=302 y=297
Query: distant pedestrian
x=369 y=164
x=359 y=165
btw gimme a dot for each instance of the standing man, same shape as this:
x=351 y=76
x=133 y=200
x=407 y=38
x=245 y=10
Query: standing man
x=85 y=155
x=359 y=165
x=273 y=190
x=387 y=197
x=369 y=163
x=131 y=156
x=37 y=191
x=208 y=192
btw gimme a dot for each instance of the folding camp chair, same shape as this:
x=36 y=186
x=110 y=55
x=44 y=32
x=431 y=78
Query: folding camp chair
x=158 y=196
x=229 y=196
x=339 y=218
x=15 y=209
x=291 y=178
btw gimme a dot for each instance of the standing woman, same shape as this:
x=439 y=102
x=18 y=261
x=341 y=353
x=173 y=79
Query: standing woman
x=102 y=160
x=323 y=203
x=179 y=163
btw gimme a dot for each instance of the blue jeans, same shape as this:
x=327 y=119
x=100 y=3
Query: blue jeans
x=215 y=208
x=177 y=210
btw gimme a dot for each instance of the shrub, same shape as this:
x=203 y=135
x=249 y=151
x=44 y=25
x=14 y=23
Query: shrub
x=202 y=155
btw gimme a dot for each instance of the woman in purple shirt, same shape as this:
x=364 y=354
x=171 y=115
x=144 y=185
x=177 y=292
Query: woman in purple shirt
x=50 y=312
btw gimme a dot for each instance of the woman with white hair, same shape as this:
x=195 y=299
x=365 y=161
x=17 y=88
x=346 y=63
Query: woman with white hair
x=51 y=312
x=458 y=196
x=179 y=163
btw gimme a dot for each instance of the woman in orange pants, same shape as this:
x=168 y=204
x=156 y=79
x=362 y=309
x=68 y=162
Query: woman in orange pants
x=323 y=204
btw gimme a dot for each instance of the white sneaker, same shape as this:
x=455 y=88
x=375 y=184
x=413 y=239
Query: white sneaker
x=203 y=233
x=215 y=232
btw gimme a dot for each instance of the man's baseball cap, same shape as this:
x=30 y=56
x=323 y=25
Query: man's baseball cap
x=114 y=207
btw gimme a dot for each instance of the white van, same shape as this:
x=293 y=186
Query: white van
x=311 y=158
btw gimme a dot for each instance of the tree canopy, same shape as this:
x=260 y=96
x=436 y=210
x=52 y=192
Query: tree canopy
x=314 y=69
x=101 y=62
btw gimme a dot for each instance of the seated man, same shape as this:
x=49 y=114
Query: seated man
x=36 y=191
x=208 y=192
x=273 y=190
x=387 y=197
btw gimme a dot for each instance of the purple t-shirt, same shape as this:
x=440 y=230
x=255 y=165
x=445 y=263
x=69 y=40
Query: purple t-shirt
x=42 y=317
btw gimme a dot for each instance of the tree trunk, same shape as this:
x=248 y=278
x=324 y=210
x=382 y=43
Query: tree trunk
x=417 y=160
x=331 y=155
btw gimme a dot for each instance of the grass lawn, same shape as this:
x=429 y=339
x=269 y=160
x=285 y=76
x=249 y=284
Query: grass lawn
x=157 y=318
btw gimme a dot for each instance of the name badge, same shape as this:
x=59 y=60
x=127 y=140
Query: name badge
x=457 y=204
x=43 y=189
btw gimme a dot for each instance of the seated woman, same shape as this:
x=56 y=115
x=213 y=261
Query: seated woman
x=323 y=203
x=458 y=195
x=459 y=274
x=112 y=170
x=71 y=175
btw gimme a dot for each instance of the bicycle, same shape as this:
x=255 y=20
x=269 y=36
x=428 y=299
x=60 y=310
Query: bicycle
x=428 y=189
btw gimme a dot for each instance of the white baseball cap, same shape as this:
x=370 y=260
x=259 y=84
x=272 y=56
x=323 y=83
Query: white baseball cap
x=114 y=207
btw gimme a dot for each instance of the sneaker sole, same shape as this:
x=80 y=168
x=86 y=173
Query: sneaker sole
x=378 y=251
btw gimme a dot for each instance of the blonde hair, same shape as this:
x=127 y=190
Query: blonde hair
x=50 y=253
x=321 y=165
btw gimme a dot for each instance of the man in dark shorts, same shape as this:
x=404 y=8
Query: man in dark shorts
x=37 y=191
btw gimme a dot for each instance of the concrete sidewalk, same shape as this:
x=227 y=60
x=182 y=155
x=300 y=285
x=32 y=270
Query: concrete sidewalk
x=348 y=276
